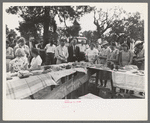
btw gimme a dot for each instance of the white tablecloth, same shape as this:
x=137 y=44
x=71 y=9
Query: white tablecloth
x=127 y=80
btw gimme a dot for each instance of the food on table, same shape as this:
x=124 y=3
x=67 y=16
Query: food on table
x=37 y=72
x=24 y=73
x=121 y=70
x=47 y=71
x=68 y=67
x=130 y=67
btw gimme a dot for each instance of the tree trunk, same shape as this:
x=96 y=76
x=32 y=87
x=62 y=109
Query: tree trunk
x=46 y=25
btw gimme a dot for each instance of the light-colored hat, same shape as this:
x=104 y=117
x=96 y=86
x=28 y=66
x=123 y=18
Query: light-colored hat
x=138 y=42
x=104 y=43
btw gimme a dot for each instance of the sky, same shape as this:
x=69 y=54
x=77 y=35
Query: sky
x=86 y=22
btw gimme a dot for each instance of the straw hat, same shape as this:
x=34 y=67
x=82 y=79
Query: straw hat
x=138 y=42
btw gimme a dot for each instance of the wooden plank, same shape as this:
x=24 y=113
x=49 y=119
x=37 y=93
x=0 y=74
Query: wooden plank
x=67 y=87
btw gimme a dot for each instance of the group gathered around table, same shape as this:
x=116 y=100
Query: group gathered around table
x=31 y=68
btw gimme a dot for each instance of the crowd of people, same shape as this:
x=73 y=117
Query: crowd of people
x=23 y=56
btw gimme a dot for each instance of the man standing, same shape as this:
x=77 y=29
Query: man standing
x=61 y=52
x=74 y=51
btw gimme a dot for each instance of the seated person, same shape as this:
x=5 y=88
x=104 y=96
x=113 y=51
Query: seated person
x=36 y=60
x=19 y=63
x=9 y=55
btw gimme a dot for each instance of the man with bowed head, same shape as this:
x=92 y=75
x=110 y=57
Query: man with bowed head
x=61 y=52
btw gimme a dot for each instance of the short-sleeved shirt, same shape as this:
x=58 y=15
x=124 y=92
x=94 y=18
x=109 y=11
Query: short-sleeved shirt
x=91 y=54
x=50 y=49
x=36 y=61
x=82 y=48
x=112 y=54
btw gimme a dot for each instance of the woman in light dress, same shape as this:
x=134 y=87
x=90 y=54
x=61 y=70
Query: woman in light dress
x=125 y=56
x=19 y=63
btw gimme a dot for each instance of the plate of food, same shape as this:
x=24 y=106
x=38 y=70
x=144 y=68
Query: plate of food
x=37 y=72
x=121 y=70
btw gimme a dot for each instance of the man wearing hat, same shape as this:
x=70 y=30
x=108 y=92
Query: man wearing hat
x=61 y=52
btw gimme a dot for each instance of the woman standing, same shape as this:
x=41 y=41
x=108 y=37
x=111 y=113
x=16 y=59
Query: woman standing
x=103 y=52
x=125 y=56
x=112 y=54
x=140 y=57
x=50 y=51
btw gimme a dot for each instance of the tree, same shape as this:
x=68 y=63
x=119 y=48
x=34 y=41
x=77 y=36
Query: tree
x=106 y=19
x=131 y=26
x=10 y=33
x=45 y=16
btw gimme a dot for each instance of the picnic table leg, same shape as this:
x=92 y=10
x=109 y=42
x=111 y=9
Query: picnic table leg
x=86 y=87
x=97 y=78
x=112 y=87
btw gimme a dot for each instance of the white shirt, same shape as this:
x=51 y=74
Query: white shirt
x=50 y=49
x=36 y=61
x=82 y=47
x=91 y=53
x=61 y=51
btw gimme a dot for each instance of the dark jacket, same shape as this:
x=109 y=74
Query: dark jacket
x=71 y=58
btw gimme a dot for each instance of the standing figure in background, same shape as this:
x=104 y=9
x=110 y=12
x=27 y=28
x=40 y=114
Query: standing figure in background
x=103 y=53
x=140 y=55
x=91 y=54
x=22 y=44
x=112 y=55
x=9 y=55
x=83 y=48
x=73 y=51
x=61 y=52
x=41 y=50
x=50 y=52
x=125 y=56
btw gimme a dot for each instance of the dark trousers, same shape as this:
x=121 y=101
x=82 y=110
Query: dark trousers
x=49 y=58
x=42 y=55
x=72 y=59
x=82 y=56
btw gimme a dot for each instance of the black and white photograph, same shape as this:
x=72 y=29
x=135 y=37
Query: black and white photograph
x=75 y=53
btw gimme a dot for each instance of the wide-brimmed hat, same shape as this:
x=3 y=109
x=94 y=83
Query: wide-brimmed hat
x=104 y=43
x=138 y=42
